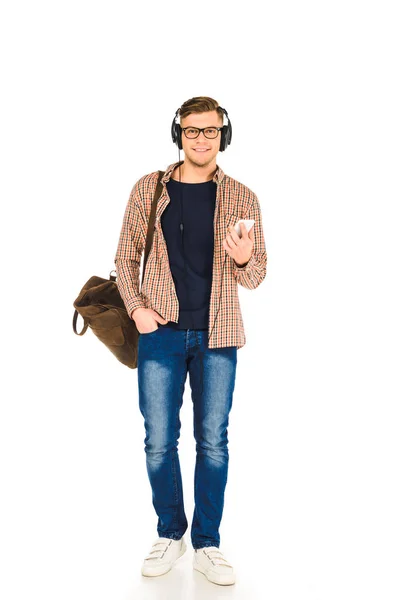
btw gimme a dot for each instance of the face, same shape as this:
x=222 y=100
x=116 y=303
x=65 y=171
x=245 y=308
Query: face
x=192 y=147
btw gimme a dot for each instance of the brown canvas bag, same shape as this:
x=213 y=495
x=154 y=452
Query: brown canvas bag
x=100 y=305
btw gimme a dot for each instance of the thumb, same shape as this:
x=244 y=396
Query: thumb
x=159 y=318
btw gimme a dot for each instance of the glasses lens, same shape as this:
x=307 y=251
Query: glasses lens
x=192 y=132
x=211 y=132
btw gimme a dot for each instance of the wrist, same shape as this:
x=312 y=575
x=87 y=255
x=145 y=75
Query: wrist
x=134 y=313
x=242 y=265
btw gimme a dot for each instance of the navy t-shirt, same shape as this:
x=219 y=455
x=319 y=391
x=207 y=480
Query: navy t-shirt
x=188 y=227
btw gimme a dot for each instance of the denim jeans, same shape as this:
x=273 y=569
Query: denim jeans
x=164 y=358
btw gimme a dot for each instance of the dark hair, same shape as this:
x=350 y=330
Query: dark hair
x=200 y=104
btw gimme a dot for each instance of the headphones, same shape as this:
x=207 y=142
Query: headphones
x=226 y=137
x=226 y=132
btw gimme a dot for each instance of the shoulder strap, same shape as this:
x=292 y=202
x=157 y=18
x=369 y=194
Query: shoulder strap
x=152 y=219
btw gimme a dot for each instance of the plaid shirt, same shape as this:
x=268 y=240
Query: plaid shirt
x=234 y=201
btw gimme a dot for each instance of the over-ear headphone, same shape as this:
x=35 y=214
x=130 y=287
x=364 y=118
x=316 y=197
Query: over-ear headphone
x=226 y=132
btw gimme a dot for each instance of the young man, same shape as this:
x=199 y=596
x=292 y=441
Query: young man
x=189 y=319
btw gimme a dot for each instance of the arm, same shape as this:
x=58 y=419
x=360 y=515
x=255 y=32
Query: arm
x=129 y=252
x=252 y=273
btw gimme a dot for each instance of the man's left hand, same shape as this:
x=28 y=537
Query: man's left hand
x=239 y=248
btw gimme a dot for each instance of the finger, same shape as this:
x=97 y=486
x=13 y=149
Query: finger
x=229 y=242
x=226 y=246
x=157 y=317
x=233 y=234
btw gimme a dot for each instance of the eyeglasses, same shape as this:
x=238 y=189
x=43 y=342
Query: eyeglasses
x=193 y=132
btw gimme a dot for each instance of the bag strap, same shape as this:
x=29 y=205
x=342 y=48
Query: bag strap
x=150 y=226
x=152 y=220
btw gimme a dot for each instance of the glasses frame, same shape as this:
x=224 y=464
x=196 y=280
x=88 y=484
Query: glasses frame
x=199 y=129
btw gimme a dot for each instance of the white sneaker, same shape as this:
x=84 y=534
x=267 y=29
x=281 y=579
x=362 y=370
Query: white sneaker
x=164 y=552
x=211 y=562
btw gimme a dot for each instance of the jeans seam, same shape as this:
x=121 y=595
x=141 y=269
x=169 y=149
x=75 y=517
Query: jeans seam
x=175 y=457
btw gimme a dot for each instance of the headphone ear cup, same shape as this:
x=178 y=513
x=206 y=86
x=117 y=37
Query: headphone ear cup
x=226 y=133
x=229 y=134
x=222 y=145
x=179 y=135
x=173 y=131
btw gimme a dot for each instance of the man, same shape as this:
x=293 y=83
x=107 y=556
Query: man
x=189 y=319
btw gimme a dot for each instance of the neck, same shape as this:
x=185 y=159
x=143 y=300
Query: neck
x=192 y=173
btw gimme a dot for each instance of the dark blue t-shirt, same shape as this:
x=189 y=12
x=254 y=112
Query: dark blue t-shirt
x=188 y=227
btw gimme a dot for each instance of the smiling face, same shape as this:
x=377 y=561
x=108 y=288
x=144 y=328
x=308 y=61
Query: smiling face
x=201 y=151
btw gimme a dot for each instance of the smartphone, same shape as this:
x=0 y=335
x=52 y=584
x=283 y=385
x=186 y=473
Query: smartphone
x=248 y=223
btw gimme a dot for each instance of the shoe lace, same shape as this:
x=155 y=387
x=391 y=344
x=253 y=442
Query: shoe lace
x=155 y=551
x=216 y=555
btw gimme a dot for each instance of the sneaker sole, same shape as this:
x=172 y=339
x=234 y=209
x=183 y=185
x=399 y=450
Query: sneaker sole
x=228 y=580
x=162 y=569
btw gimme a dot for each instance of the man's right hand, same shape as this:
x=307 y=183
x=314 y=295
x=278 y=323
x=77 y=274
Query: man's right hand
x=147 y=319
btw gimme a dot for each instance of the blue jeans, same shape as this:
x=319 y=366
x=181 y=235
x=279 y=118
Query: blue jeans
x=164 y=358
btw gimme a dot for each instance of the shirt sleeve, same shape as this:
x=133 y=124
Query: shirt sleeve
x=254 y=271
x=129 y=251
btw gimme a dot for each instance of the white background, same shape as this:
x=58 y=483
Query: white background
x=89 y=94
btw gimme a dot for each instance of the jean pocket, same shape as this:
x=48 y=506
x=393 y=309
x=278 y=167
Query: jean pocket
x=149 y=332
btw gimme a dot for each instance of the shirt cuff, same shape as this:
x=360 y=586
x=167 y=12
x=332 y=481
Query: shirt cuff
x=133 y=305
x=245 y=267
